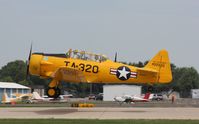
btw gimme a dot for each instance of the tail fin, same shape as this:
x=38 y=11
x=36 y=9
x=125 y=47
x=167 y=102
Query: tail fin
x=37 y=96
x=5 y=98
x=147 y=95
x=161 y=64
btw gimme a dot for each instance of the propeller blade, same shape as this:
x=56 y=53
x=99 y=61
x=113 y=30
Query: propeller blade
x=116 y=57
x=28 y=62
x=30 y=52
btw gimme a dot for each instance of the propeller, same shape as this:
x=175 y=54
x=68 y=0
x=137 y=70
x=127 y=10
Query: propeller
x=28 y=62
x=116 y=57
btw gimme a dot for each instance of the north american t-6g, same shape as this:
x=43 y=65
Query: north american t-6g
x=84 y=67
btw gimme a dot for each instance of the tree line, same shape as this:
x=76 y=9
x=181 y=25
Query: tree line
x=184 y=79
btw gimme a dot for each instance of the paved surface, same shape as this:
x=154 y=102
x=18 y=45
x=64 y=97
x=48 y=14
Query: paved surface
x=100 y=113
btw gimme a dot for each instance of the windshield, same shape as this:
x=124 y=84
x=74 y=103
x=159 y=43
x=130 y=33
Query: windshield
x=85 y=56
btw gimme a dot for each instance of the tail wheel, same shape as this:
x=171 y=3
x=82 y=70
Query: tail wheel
x=53 y=92
x=150 y=89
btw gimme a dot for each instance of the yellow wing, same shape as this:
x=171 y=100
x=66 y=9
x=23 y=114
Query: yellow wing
x=69 y=74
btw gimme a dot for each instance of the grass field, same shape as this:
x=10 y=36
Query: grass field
x=64 y=121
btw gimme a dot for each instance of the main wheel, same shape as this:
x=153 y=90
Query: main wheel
x=53 y=92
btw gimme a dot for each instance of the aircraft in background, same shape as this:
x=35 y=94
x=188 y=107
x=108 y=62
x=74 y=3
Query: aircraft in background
x=84 y=67
x=132 y=99
x=15 y=98
x=37 y=98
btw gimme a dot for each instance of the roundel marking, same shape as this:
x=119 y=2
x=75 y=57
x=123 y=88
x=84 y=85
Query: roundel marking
x=123 y=73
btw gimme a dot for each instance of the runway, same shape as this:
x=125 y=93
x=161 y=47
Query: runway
x=99 y=113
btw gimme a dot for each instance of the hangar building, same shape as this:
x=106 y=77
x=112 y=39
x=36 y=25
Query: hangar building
x=11 y=88
x=111 y=91
x=195 y=93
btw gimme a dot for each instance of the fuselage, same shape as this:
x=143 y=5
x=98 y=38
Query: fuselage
x=105 y=71
x=129 y=98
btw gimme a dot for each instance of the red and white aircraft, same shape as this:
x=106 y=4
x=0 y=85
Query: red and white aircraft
x=132 y=99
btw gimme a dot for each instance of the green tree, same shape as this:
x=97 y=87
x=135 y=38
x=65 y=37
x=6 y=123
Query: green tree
x=139 y=64
x=36 y=80
x=6 y=79
x=13 y=71
x=25 y=82
x=185 y=79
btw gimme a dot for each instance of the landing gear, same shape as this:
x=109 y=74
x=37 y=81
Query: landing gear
x=53 y=91
x=150 y=89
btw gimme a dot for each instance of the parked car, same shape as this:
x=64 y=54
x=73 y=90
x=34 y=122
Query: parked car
x=157 y=97
x=92 y=97
x=99 y=96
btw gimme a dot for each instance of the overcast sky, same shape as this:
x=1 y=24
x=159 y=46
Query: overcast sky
x=137 y=30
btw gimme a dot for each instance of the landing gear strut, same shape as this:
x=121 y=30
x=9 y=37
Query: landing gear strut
x=53 y=91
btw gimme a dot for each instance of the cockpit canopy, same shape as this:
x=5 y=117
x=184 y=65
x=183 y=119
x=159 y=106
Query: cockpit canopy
x=85 y=56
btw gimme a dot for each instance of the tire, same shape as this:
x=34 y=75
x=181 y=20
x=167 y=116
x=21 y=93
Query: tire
x=53 y=92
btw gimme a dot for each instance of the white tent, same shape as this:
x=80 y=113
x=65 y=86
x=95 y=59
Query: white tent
x=12 y=85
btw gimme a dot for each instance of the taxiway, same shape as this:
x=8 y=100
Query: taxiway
x=99 y=113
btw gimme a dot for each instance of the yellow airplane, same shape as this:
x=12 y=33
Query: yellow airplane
x=16 y=97
x=84 y=67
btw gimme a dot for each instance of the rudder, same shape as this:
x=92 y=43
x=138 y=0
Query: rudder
x=5 y=98
x=147 y=95
x=161 y=64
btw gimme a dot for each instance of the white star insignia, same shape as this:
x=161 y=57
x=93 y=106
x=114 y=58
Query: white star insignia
x=123 y=73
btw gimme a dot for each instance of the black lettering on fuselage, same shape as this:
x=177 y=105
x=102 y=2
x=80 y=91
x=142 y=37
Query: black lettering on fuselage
x=67 y=63
x=83 y=67
x=73 y=65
